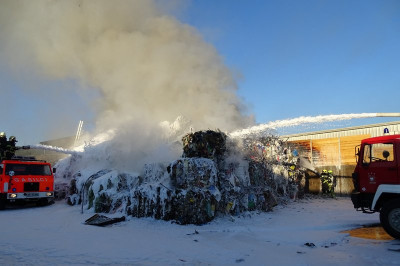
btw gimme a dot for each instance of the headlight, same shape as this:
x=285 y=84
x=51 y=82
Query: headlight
x=49 y=194
x=13 y=195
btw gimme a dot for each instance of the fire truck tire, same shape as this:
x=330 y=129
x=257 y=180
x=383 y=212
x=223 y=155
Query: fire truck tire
x=390 y=218
x=2 y=201
x=42 y=202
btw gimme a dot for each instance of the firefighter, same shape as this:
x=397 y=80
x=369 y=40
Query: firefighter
x=292 y=172
x=3 y=145
x=10 y=149
x=325 y=182
x=332 y=183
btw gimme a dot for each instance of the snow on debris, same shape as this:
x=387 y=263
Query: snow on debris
x=215 y=176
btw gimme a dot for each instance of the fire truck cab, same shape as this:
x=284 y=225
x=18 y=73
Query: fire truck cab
x=377 y=180
x=24 y=179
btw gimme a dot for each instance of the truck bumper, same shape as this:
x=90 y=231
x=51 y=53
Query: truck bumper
x=30 y=195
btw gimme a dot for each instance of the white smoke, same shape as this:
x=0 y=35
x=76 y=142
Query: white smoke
x=146 y=66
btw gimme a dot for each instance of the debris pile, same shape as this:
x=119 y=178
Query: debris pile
x=273 y=163
x=215 y=176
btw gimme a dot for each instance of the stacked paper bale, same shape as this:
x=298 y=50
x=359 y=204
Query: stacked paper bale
x=189 y=196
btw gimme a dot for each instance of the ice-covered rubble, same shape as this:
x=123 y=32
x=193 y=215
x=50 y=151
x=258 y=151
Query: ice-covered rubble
x=216 y=175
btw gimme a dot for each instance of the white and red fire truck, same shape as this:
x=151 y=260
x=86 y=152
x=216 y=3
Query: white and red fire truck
x=24 y=179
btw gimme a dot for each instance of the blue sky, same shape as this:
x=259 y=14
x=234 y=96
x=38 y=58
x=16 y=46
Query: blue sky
x=291 y=59
x=307 y=57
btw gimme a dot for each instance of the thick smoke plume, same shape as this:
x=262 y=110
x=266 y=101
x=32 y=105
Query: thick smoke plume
x=144 y=63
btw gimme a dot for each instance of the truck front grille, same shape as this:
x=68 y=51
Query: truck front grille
x=31 y=186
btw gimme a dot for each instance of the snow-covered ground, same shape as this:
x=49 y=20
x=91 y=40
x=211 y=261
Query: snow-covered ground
x=56 y=235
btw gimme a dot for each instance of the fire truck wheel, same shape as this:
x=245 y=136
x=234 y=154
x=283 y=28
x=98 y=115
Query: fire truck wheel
x=2 y=201
x=42 y=202
x=390 y=218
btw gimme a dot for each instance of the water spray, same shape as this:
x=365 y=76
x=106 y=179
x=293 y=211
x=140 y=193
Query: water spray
x=51 y=148
x=304 y=120
x=387 y=114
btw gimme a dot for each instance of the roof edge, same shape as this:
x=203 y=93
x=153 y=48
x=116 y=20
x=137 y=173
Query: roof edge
x=340 y=129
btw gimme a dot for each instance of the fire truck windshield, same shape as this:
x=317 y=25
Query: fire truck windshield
x=28 y=169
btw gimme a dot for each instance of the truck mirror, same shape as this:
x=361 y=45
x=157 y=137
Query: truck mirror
x=54 y=170
x=357 y=152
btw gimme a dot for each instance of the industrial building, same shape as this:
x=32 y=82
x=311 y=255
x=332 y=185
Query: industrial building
x=335 y=150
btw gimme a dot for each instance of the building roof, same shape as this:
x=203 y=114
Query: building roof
x=373 y=130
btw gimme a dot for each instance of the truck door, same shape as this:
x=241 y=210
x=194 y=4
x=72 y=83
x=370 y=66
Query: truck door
x=2 y=188
x=379 y=165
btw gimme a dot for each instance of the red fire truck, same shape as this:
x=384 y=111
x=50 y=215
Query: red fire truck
x=24 y=179
x=377 y=180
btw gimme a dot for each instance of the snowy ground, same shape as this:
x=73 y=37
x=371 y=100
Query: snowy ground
x=56 y=235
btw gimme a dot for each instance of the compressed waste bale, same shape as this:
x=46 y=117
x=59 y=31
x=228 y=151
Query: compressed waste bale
x=103 y=202
x=150 y=200
x=191 y=198
x=205 y=144
x=193 y=172
x=193 y=207
x=197 y=194
x=154 y=172
x=111 y=191
x=260 y=174
x=105 y=191
x=184 y=207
